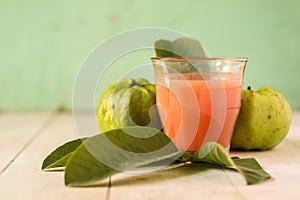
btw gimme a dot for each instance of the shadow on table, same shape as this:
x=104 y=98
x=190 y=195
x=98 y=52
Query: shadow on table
x=161 y=175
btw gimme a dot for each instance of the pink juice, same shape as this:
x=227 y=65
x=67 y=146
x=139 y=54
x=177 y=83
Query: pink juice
x=195 y=111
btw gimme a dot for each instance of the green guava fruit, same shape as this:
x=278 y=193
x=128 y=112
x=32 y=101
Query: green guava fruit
x=263 y=121
x=128 y=102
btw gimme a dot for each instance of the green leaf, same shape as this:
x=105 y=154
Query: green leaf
x=251 y=170
x=215 y=154
x=89 y=162
x=164 y=48
x=58 y=158
x=115 y=151
x=184 y=47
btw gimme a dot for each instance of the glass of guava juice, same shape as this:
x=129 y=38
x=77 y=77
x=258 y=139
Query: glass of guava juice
x=198 y=99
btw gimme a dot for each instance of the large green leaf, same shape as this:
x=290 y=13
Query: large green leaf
x=115 y=151
x=89 y=162
x=58 y=158
x=184 y=47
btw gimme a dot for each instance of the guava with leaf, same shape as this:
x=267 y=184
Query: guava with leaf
x=128 y=102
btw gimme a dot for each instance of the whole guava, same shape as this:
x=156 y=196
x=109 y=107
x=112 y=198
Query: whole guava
x=128 y=102
x=263 y=121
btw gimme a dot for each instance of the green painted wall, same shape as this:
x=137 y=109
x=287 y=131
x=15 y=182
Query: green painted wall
x=43 y=43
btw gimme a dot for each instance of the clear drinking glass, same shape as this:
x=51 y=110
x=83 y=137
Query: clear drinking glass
x=198 y=99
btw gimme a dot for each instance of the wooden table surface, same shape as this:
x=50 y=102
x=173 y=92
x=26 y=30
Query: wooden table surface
x=27 y=138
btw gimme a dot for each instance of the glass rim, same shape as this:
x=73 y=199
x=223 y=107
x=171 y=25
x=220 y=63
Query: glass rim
x=237 y=59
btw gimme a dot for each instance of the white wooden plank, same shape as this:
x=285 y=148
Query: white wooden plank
x=24 y=178
x=16 y=131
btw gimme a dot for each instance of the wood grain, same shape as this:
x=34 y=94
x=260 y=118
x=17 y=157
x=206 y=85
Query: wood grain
x=24 y=179
x=17 y=130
